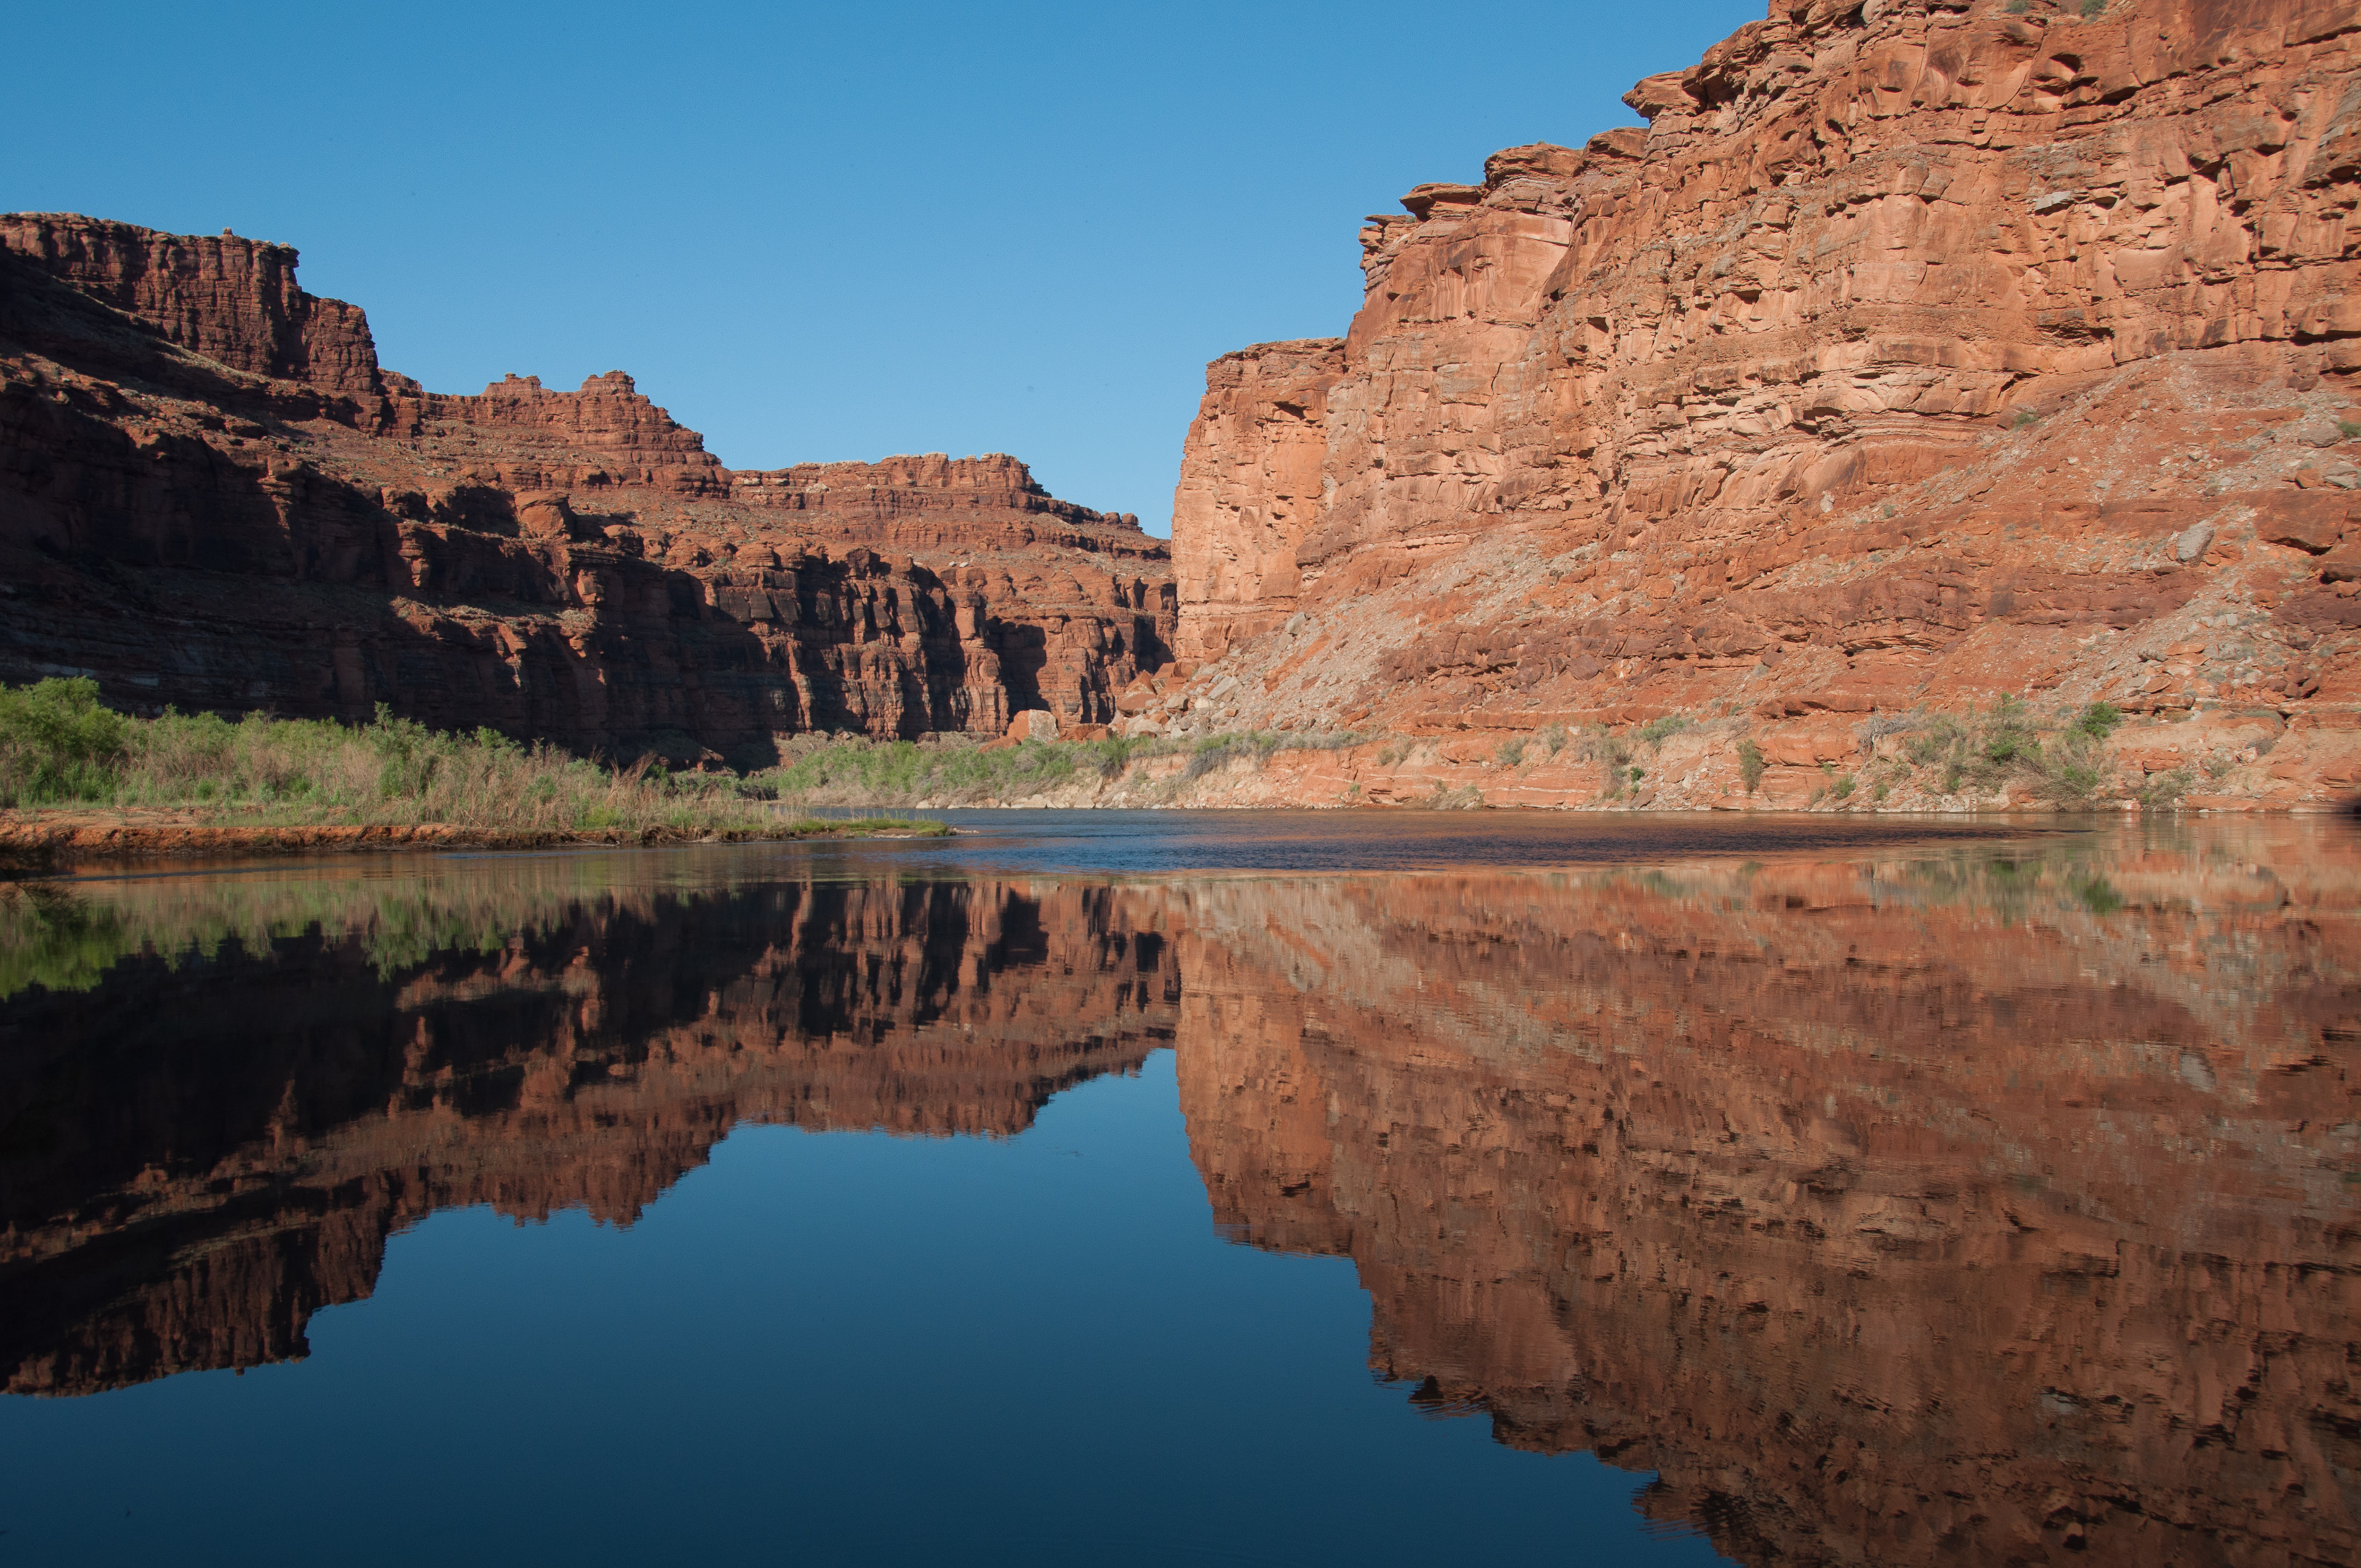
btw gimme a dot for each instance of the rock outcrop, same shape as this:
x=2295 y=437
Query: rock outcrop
x=211 y=495
x=230 y=299
x=1916 y=355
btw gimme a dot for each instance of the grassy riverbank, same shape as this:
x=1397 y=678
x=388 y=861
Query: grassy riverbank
x=851 y=770
x=72 y=764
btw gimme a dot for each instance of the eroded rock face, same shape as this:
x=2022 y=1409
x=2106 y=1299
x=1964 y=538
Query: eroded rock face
x=211 y=496
x=228 y=299
x=189 y=1184
x=1913 y=354
x=1251 y=482
x=1894 y=1215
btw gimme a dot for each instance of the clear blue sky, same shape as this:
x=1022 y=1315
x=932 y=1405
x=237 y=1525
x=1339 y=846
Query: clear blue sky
x=822 y=233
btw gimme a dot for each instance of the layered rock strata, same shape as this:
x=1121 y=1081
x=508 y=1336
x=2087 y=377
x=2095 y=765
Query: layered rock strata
x=1915 y=355
x=211 y=495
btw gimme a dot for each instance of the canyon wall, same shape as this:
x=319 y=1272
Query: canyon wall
x=234 y=1161
x=211 y=496
x=1916 y=355
x=226 y=299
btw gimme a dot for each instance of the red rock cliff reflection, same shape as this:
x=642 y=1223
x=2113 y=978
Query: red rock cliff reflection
x=198 y=1158
x=1940 y=1208
x=1954 y=1210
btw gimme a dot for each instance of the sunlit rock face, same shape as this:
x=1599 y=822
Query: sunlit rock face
x=212 y=494
x=1950 y=1213
x=202 y=1155
x=1913 y=353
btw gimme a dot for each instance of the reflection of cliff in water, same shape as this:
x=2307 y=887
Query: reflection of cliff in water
x=195 y=1155
x=1962 y=1213
x=1944 y=1209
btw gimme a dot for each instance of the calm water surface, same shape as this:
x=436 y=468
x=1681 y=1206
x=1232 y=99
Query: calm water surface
x=1221 y=1188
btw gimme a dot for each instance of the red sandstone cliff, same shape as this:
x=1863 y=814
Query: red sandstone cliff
x=211 y=495
x=1915 y=353
x=229 y=299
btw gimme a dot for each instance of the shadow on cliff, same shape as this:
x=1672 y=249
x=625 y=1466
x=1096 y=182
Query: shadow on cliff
x=181 y=560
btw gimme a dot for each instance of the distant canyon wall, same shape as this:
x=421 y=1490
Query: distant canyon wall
x=211 y=495
x=1915 y=353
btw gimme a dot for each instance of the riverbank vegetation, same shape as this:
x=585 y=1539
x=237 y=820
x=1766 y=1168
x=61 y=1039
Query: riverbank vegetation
x=904 y=773
x=61 y=747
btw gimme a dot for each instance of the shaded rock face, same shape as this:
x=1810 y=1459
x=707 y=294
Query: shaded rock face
x=211 y=496
x=1913 y=353
x=187 y=1184
x=1892 y=1213
x=228 y=299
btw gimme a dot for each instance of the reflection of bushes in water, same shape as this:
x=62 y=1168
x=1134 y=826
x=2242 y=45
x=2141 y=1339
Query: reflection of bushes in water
x=67 y=939
x=2098 y=896
x=1663 y=885
x=52 y=939
x=2010 y=886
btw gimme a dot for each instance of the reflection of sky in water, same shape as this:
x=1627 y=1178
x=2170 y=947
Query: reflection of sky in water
x=1895 y=1192
x=830 y=1348
x=1133 y=843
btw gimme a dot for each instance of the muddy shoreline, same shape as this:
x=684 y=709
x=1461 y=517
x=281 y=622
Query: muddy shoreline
x=43 y=839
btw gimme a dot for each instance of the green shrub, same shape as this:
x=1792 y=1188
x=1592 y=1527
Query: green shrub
x=1750 y=763
x=1843 y=787
x=2003 y=743
x=1602 y=746
x=2099 y=719
x=1656 y=731
x=2092 y=8
x=1212 y=753
x=2165 y=790
x=1554 y=737
x=1510 y=753
x=57 y=744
